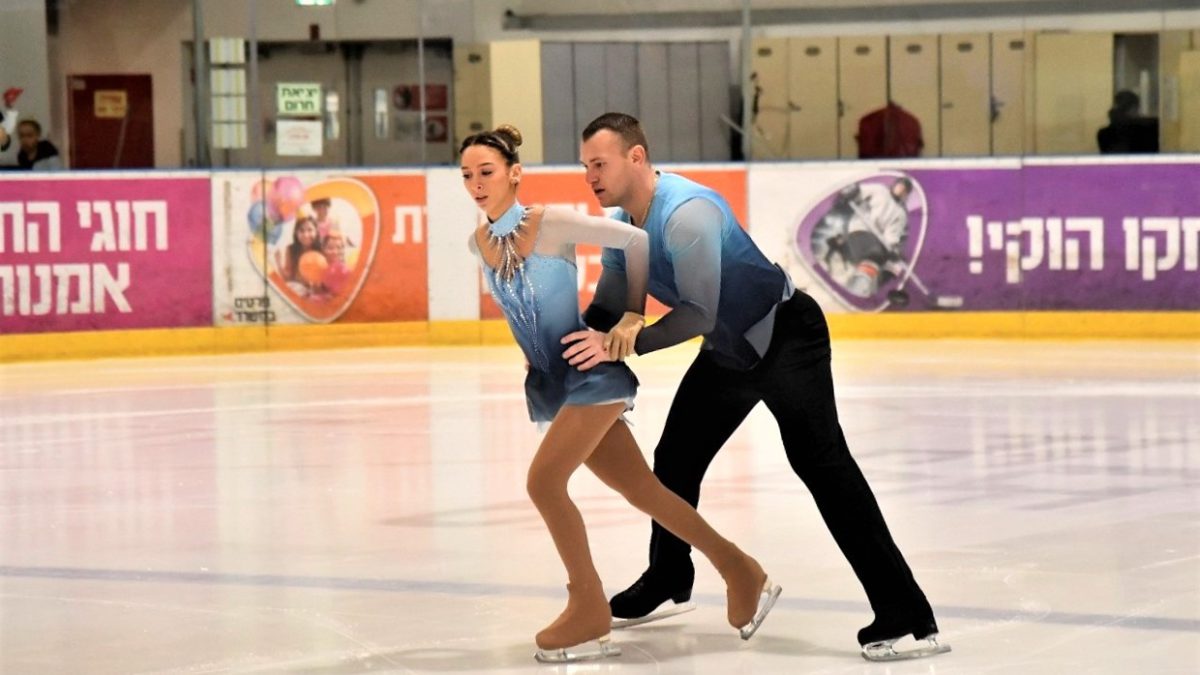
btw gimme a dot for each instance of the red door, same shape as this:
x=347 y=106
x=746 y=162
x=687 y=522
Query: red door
x=112 y=121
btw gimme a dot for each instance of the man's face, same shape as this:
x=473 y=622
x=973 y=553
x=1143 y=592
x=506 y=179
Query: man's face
x=609 y=167
x=28 y=137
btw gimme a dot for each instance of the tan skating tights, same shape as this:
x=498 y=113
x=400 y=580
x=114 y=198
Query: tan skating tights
x=596 y=436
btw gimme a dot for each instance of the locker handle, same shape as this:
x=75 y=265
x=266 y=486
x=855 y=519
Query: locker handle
x=947 y=105
x=841 y=108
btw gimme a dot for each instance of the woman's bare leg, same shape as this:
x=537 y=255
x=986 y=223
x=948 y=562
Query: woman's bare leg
x=619 y=463
x=570 y=440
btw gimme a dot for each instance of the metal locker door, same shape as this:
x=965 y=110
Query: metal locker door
x=1012 y=64
x=812 y=127
x=913 y=83
x=966 y=97
x=768 y=128
x=1073 y=91
x=1171 y=44
x=862 y=86
x=1189 y=101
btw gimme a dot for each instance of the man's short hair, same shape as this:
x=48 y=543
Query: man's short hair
x=626 y=126
x=37 y=127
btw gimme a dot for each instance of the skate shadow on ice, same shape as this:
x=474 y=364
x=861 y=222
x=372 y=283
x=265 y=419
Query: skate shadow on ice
x=647 y=645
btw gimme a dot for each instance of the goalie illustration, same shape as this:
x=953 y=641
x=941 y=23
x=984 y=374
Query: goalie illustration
x=863 y=241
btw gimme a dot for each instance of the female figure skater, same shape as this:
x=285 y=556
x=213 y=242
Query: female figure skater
x=528 y=255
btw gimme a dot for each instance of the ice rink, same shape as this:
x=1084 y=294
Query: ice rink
x=358 y=511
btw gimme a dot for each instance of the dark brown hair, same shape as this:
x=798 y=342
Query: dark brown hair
x=626 y=126
x=505 y=139
x=37 y=127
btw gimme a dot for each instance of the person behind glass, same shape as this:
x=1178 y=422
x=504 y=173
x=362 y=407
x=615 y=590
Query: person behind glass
x=1127 y=131
x=36 y=153
x=528 y=257
x=764 y=341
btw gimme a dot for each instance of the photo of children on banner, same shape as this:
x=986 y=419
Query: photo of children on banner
x=863 y=240
x=310 y=245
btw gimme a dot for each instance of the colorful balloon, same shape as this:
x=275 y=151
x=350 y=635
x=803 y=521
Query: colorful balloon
x=287 y=196
x=257 y=217
x=312 y=267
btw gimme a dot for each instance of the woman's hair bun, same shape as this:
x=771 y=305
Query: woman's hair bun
x=511 y=132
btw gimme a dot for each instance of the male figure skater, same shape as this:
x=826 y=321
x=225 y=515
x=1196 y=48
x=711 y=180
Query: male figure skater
x=763 y=341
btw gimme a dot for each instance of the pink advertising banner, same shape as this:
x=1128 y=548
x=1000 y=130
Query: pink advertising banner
x=105 y=253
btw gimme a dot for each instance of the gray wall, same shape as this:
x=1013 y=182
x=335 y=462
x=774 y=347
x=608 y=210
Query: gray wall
x=679 y=91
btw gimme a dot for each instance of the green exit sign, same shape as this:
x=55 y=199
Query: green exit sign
x=315 y=3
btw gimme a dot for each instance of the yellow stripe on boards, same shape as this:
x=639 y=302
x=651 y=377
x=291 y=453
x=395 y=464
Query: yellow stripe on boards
x=927 y=325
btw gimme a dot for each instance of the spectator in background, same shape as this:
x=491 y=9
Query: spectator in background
x=890 y=131
x=1127 y=131
x=36 y=153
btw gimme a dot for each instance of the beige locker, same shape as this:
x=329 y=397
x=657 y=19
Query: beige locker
x=516 y=65
x=769 y=73
x=966 y=95
x=812 y=98
x=1073 y=90
x=1012 y=87
x=1171 y=44
x=862 y=85
x=913 y=83
x=472 y=90
x=1189 y=101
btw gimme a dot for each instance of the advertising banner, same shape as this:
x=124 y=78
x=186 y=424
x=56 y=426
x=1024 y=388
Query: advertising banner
x=986 y=238
x=319 y=247
x=81 y=253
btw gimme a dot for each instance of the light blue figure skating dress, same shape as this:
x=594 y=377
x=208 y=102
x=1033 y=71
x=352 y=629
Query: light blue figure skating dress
x=539 y=297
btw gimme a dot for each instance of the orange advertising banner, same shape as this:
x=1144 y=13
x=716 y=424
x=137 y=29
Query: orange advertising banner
x=309 y=247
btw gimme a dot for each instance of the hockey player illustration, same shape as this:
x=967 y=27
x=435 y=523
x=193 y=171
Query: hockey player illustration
x=862 y=243
x=861 y=240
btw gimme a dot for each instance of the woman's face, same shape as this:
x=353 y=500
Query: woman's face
x=307 y=234
x=488 y=178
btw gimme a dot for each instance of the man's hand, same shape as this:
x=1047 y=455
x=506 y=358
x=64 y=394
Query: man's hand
x=588 y=350
x=623 y=336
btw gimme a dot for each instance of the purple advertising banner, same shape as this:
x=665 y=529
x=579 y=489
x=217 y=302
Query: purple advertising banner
x=1034 y=237
x=105 y=253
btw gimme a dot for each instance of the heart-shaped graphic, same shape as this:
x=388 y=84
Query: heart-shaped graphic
x=314 y=245
x=862 y=240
